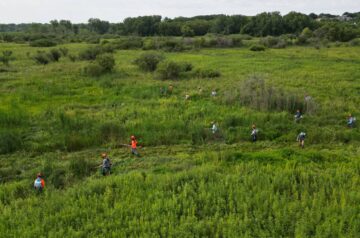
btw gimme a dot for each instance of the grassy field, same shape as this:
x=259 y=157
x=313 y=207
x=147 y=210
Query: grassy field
x=187 y=182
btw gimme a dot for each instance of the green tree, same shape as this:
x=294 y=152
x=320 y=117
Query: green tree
x=98 y=26
x=6 y=57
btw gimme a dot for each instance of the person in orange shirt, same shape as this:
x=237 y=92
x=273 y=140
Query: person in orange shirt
x=39 y=183
x=134 y=146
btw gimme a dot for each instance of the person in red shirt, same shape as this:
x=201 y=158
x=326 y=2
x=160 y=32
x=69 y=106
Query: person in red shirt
x=134 y=146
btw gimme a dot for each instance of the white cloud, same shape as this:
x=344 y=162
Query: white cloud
x=116 y=10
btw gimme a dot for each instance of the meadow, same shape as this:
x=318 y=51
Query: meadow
x=187 y=182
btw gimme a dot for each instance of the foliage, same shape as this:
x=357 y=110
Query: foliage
x=168 y=70
x=43 y=43
x=273 y=42
x=188 y=181
x=335 y=28
x=90 y=53
x=6 y=57
x=64 y=51
x=148 y=61
x=207 y=73
x=106 y=61
x=256 y=93
x=41 y=57
x=93 y=69
x=54 y=55
x=98 y=26
x=233 y=193
x=257 y=48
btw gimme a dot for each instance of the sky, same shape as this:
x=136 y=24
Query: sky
x=26 y=11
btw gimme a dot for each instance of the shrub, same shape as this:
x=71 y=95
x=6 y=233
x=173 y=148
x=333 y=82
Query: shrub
x=149 y=44
x=255 y=93
x=106 y=61
x=90 y=53
x=355 y=42
x=207 y=73
x=41 y=57
x=108 y=48
x=273 y=42
x=64 y=51
x=92 y=40
x=93 y=69
x=224 y=42
x=237 y=41
x=148 y=61
x=186 y=67
x=54 y=55
x=6 y=57
x=72 y=57
x=43 y=43
x=168 y=70
x=128 y=43
x=257 y=48
x=172 y=45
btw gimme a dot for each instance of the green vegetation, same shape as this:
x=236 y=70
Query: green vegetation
x=56 y=120
x=324 y=27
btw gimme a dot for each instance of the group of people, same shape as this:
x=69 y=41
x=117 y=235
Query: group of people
x=106 y=163
x=39 y=183
x=300 y=137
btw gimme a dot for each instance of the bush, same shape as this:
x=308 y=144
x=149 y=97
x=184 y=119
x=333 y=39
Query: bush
x=128 y=43
x=90 y=53
x=168 y=70
x=92 y=40
x=94 y=70
x=64 y=51
x=355 y=42
x=186 y=67
x=207 y=73
x=257 y=48
x=72 y=57
x=150 y=44
x=54 y=55
x=108 y=48
x=257 y=94
x=41 y=57
x=172 y=45
x=6 y=57
x=42 y=43
x=148 y=61
x=273 y=42
x=106 y=61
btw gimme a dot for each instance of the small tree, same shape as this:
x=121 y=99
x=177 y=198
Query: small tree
x=6 y=57
x=169 y=70
x=54 y=55
x=106 y=61
x=41 y=58
x=93 y=70
x=148 y=61
x=90 y=53
x=64 y=51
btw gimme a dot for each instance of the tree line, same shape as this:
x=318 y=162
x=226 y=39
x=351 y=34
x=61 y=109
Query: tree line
x=263 y=24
